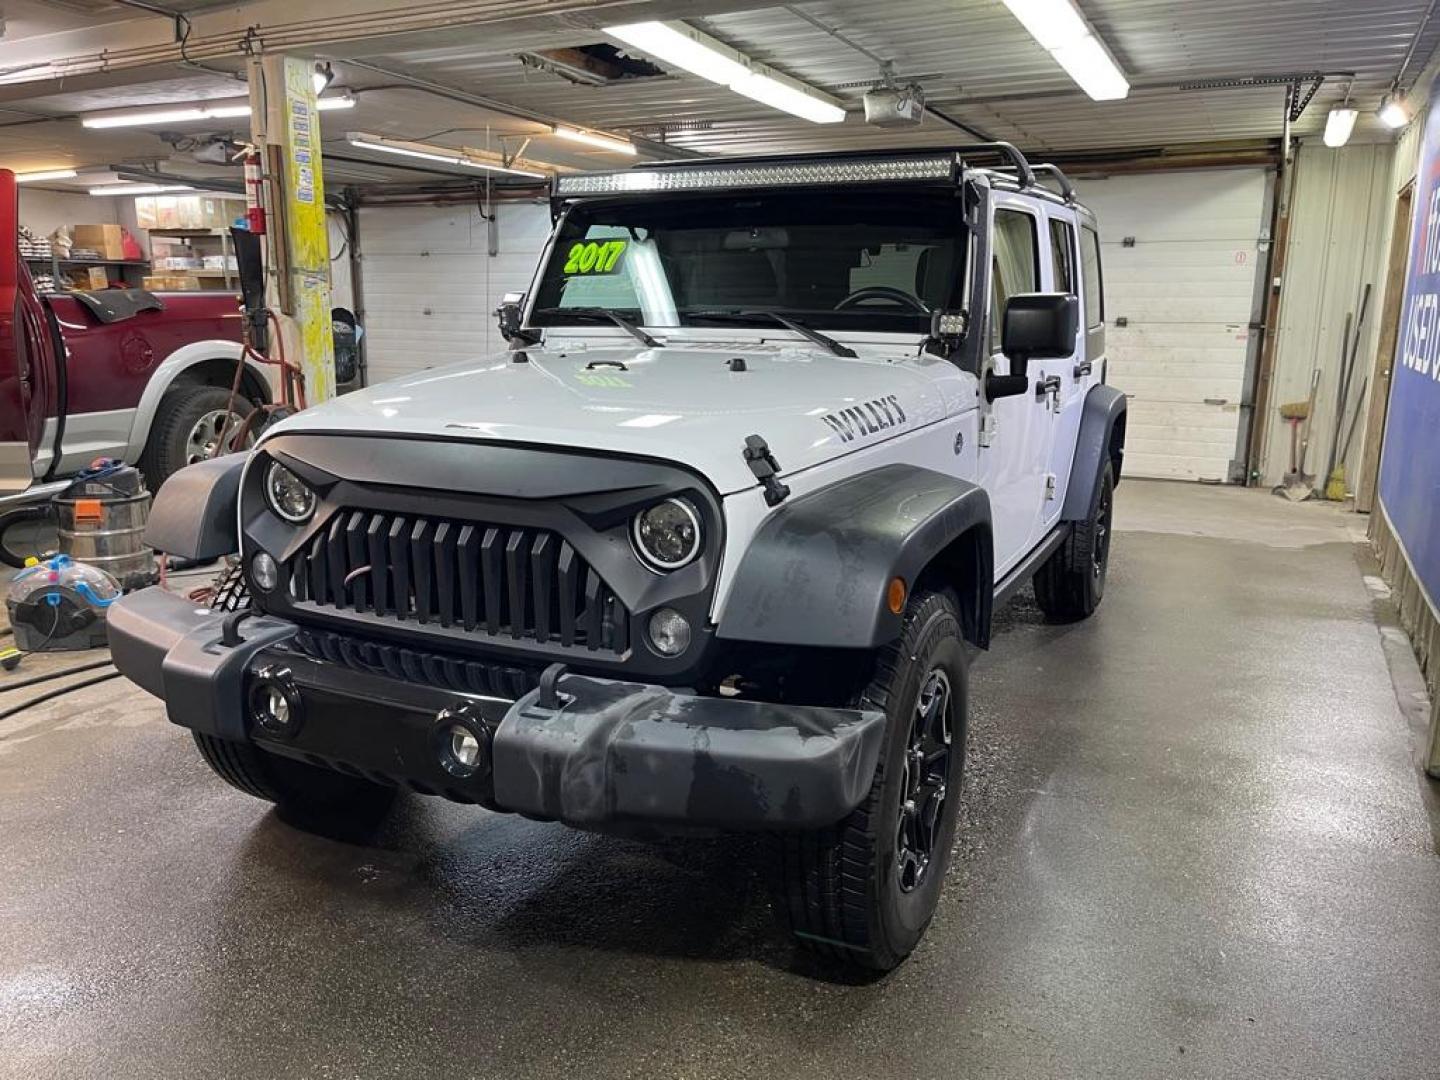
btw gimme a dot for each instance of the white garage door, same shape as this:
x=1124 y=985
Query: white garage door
x=431 y=286
x=1181 y=252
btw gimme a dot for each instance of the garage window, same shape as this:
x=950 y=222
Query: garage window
x=1090 y=267
x=1016 y=264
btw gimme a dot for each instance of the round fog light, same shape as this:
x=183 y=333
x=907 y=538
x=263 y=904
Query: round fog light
x=460 y=741
x=464 y=746
x=274 y=702
x=264 y=572
x=669 y=632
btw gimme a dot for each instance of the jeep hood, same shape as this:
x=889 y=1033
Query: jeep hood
x=686 y=404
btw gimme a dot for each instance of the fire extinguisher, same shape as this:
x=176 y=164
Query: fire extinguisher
x=254 y=201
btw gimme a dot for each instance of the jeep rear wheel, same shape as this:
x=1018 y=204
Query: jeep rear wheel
x=864 y=890
x=1071 y=584
x=305 y=794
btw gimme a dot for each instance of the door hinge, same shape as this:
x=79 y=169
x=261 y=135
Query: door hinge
x=1049 y=487
x=987 y=429
x=766 y=469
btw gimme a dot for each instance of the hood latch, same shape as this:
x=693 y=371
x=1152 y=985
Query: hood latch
x=766 y=469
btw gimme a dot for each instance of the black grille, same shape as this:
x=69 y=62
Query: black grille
x=452 y=673
x=496 y=580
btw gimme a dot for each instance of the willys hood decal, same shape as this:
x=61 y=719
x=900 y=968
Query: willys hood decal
x=693 y=404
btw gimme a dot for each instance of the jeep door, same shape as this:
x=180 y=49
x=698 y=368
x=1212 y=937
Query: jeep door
x=1014 y=442
x=1067 y=398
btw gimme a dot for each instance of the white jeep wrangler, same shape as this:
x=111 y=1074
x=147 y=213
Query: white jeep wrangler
x=701 y=550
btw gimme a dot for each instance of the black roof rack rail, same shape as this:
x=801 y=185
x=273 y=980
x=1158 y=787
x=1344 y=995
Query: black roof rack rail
x=1017 y=160
x=1067 y=189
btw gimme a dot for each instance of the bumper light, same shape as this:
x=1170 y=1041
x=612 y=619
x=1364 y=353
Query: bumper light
x=461 y=742
x=275 y=702
x=669 y=632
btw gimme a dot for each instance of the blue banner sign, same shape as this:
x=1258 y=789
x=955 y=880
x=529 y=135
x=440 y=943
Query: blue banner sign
x=1410 y=467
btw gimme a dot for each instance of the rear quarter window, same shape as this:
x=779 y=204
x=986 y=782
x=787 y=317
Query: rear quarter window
x=1094 y=294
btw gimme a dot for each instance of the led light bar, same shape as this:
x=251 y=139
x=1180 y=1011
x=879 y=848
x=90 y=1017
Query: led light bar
x=428 y=152
x=685 y=47
x=228 y=109
x=703 y=177
x=47 y=174
x=1062 y=31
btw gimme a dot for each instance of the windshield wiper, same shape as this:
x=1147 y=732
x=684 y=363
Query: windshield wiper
x=595 y=313
x=784 y=320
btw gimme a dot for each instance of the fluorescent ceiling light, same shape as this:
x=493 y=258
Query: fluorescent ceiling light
x=231 y=108
x=427 y=152
x=47 y=174
x=1338 y=126
x=685 y=47
x=591 y=138
x=1071 y=41
x=138 y=189
x=1393 y=112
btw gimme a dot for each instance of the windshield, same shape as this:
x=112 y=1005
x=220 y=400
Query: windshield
x=878 y=261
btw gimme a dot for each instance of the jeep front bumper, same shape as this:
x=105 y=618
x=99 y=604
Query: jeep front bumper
x=586 y=751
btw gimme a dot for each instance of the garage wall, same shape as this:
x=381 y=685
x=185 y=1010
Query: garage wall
x=45 y=211
x=1340 y=215
x=431 y=286
x=1181 y=253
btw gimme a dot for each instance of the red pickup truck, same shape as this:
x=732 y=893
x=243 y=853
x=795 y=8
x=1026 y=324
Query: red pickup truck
x=117 y=373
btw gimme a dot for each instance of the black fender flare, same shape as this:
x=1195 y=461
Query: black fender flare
x=1103 y=412
x=817 y=571
x=195 y=513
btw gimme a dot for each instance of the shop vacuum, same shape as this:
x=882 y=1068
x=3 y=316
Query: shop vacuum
x=59 y=603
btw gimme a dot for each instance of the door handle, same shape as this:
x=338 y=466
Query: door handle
x=1048 y=385
x=1083 y=368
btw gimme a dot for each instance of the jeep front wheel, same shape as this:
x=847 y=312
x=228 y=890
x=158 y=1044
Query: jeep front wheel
x=864 y=890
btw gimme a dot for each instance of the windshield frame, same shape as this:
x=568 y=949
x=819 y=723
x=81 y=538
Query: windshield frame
x=948 y=197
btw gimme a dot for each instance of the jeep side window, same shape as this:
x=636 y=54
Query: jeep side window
x=1062 y=255
x=1090 y=268
x=1016 y=265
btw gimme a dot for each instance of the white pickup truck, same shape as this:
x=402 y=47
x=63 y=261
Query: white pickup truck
x=701 y=549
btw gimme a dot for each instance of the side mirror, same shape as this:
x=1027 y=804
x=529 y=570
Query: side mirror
x=510 y=315
x=1039 y=326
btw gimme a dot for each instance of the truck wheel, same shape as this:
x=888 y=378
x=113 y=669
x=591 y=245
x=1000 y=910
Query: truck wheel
x=863 y=891
x=1071 y=584
x=187 y=429
x=302 y=792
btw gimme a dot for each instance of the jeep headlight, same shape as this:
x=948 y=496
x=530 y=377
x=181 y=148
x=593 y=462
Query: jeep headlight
x=287 y=494
x=667 y=535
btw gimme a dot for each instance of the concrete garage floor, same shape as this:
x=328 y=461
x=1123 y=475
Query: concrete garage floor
x=1196 y=844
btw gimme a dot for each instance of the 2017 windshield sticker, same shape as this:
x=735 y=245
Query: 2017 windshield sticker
x=867 y=418
x=589 y=257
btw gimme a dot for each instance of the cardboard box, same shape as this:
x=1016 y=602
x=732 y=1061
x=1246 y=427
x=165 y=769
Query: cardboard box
x=108 y=241
x=89 y=278
x=170 y=283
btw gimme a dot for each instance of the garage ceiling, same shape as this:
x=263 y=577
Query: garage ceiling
x=975 y=61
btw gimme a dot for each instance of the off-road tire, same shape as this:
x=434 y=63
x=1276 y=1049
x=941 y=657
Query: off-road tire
x=167 y=450
x=304 y=793
x=839 y=889
x=1071 y=584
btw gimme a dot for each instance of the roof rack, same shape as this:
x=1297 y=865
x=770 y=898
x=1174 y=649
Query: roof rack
x=1067 y=189
x=1018 y=161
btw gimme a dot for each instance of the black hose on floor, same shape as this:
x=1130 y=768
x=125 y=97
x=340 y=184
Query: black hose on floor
x=51 y=675
x=59 y=691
